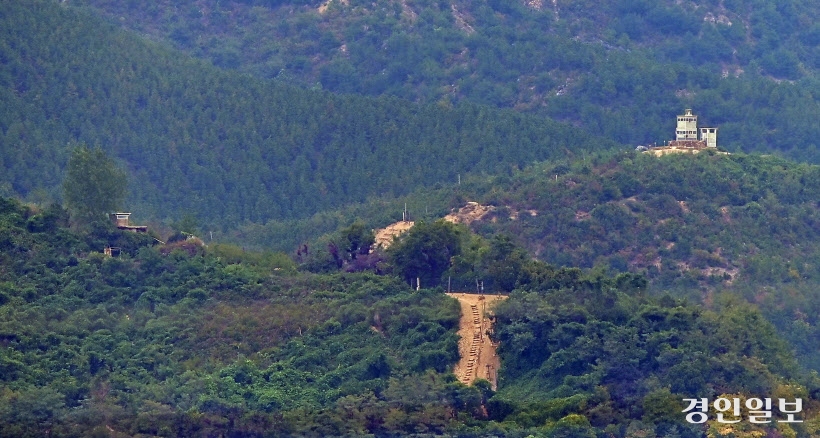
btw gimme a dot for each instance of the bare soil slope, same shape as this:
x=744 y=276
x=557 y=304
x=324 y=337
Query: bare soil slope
x=384 y=236
x=478 y=354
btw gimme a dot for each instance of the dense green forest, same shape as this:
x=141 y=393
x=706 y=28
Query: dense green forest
x=621 y=362
x=223 y=147
x=697 y=227
x=294 y=128
x=619 y=68
x=185 y=340
x=231 y=147
x=181 y=341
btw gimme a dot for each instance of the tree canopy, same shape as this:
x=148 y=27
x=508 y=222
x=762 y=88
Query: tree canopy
x=94 y=185
x=181 y=340
x=424 y=252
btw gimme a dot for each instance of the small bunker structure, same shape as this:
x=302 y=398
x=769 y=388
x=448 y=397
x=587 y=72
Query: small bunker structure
x=121 y=221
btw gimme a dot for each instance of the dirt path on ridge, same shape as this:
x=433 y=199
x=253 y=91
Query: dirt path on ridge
x=478 y=354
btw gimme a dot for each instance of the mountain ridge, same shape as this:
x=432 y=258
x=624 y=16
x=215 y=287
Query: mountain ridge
x=702 y=227
x=227 y=147
x=616 y=68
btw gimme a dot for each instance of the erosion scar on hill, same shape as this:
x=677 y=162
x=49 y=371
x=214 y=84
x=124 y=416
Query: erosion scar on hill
x=478 y=353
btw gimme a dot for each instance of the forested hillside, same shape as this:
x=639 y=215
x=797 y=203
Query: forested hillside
x=636 y=282
x=180 y=341
x=617 y=68
x=229 y=147
x=698 y=227
x=224 y=147
x=185 y=340
x=585 y=360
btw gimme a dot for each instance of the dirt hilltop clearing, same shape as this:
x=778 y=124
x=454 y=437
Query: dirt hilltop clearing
x=478 y=354
x=384 y=236
x=471 y=212
x=468 y=214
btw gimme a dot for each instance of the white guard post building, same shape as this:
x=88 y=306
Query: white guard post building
x=688 y=138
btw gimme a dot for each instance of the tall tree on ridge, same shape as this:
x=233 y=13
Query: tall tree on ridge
x=93 y=185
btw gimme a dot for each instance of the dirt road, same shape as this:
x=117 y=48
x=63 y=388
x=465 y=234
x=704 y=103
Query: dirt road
x=478 y=354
